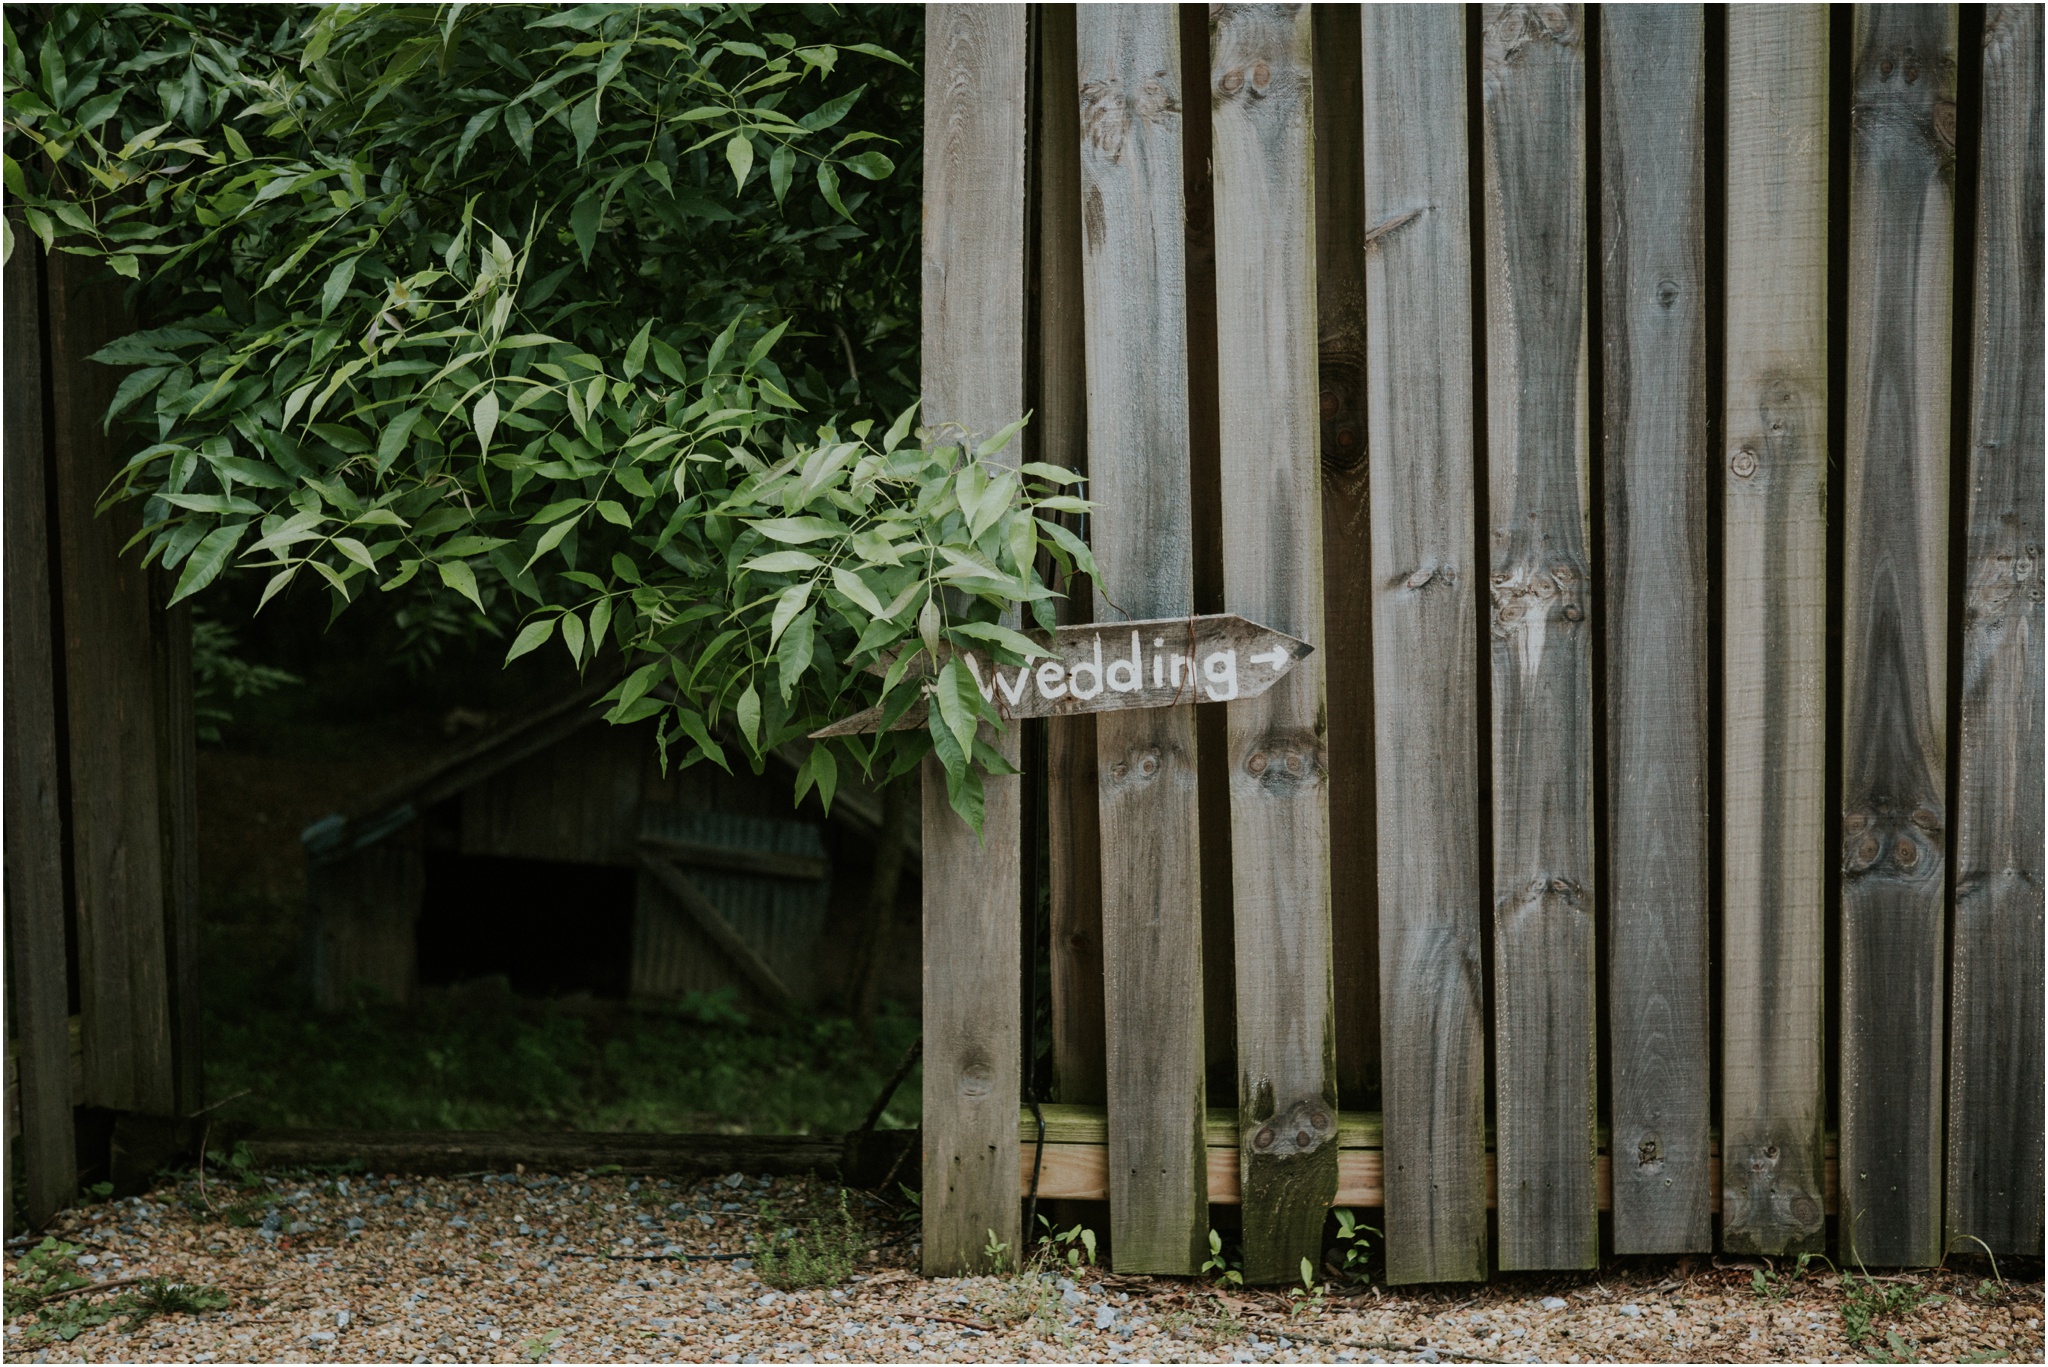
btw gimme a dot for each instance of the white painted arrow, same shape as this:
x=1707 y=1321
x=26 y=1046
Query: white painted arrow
x=1279 y=659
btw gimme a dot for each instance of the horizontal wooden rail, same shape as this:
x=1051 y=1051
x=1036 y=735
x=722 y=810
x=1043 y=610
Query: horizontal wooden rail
x=1076 y=1159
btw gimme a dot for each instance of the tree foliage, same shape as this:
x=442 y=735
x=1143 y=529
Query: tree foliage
x=585 y=318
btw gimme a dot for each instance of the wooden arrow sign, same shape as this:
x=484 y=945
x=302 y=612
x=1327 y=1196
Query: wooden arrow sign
x=1110 y=666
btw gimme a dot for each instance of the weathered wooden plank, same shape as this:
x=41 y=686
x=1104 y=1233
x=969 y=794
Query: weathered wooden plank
x=110 y=677
x=1260 y=96
x=973 y=367
x=1134 y=270
x=1347 y=593
x=1995 y=1052
x=177 y=730
x=365 y=909
x=1653 y=244
x=1895 y=629
x=1073 y=829
x=1418 y=282
x=1774 y=635
x=1536 y=374
x=38 y=1014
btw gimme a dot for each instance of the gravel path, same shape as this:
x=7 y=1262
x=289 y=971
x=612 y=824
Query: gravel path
x=519 y=1268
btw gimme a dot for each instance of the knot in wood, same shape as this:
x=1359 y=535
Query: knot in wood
x=1302 y=1127
x=1744 y=463
x=1285 y=764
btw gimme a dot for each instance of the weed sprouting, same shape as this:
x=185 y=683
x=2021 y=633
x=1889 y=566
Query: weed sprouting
x=820 y=1244
x=1227 y=1271
x=46 y=1282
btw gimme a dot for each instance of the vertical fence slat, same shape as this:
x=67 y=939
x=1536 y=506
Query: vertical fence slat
x=110 y=671
x=1073 y=828
x=1895 y=629
x=1774 y=632
x=1536 y=375
x=1134 y=266
x=1347 y=592
x=1653 y=203
x=1418 y=281
x=973 y=368
x=1260 y=96
x=1995 y=1050
x=39 y=1023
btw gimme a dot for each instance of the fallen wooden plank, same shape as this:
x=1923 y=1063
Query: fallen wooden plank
x=1774 y=599
x=1432 y=864
x=1995 y=1044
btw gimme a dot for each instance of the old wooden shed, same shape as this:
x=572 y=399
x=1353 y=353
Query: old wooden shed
x=558 y=851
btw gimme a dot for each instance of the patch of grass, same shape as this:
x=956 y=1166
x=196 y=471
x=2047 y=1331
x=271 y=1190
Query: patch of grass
x=481 y=1058
x=1867 y=1301
x=818 y=1244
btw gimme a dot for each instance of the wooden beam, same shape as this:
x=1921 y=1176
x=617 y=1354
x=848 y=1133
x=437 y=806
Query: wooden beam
x=1653 y=243
x=1134 y=271
x=973 y=367
x=1995 y=1052
x=766 y=863
x=1260 y=99
x=38 y=1016
x=1418 y=280
x=110 y=672
x=1774 y=656
x=1341 y=330
x=1073 y=827
x=1895 y=629
x=712 y=922
x=1542 y=600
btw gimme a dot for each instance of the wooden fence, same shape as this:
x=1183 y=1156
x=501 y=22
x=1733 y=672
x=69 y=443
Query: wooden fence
x=1640 y=411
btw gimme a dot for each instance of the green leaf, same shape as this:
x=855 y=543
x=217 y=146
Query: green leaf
x=793 y=654
x=787 y=606
x=636 y=352
x=782 y=562
x=828 y=186
x=531 y=637
x=832 y=111
x=551 y=538
x=871 y=164
x=583 y=123
x=519 y=123
x=484 y=417
x=739 y=155
x=457 y=575
x=854 y=587
x=208 y=560
x=391 y=441
x=748 y=713
x=796 y=531
x=958 y=701
x=583 y=222
x=338 y=281
x=1014 y=641
x=572 y=635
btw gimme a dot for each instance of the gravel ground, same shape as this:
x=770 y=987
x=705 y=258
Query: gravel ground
x=584 y=1268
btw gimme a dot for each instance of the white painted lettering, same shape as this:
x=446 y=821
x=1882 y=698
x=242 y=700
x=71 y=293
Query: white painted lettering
x=1013 y=692
x=1074 y=674
x=988 y=690
x=1052 y=680
x=1125 y=675
x=1220 y=669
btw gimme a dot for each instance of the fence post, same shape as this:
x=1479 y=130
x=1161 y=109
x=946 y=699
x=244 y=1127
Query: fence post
x=1134 y=269
x=1653 y=243
x=1542 y=601
x=1994 y=1129
x=1261 y=98
x=1895 y=630
x=1774 y=635
x=973 y=370
x=1425 y=587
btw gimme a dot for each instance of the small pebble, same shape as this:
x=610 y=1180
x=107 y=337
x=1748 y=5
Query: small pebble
x=1553 y=1303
